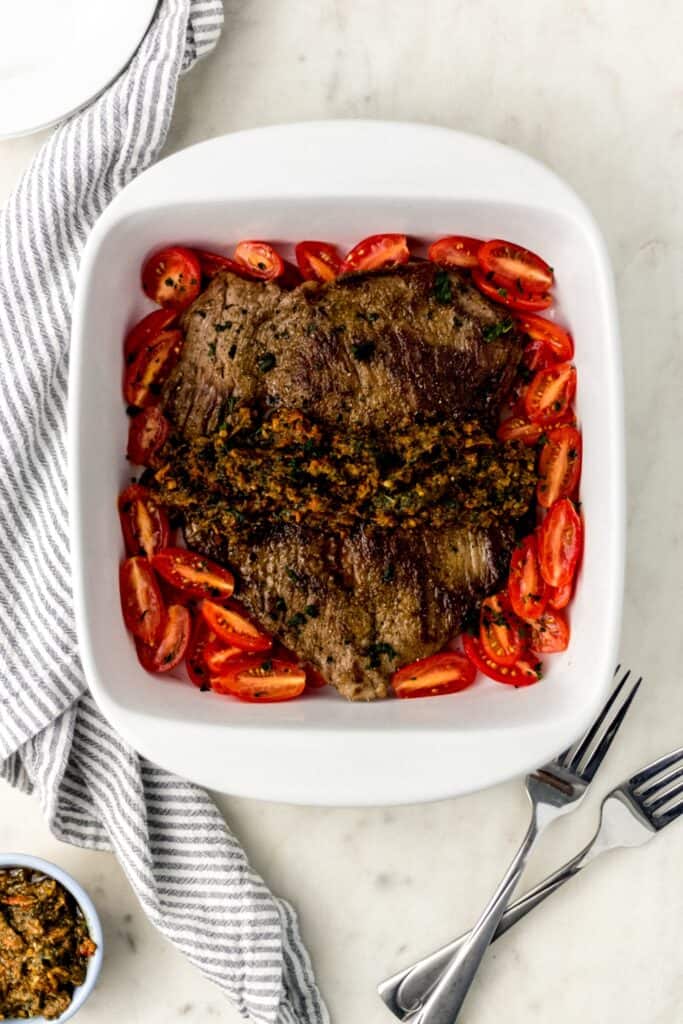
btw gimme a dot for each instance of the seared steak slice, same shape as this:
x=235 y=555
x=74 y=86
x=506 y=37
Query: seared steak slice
x=357 y=607
x=358 y=351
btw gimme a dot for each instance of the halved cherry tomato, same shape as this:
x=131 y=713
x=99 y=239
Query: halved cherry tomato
x=560 y=540
x=499 y=633
x=196 y=575
x=559 y=465
x=446 y=672
x=150 y=368
x=146 y=435
x=516 y=428
x=141 y=602
x=212 y=263
x=318 y=261
x=527 y=271
x=557 y=342
x=523 y=673
x=510 y=294
x=260 y=259
x=147 y=331
x=260 y=681
x=455 y=251
x=144 y=524
x=536 y=357
x=234 y=628
x=172 y=645
x=527 y=590
x=550 y=393
x=172 y=277
x=195 y=656
x=217 y=655
x=375 y=253
x=315 y=680
x=549 y=634
x=559 y=597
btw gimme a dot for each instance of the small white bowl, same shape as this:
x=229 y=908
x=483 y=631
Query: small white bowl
x=81 y=993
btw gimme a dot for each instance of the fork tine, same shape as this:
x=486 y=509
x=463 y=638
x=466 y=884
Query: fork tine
x=666 y=798
x=649 y=771
x=646 y=792
x=606 y=726
x=663 y=818
x=569 y=755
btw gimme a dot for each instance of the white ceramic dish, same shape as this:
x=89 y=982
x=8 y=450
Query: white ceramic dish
x=342 y=181
x=25 y=860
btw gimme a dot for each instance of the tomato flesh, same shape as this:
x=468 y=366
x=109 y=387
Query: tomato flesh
x=217 y=656
x=549 y=634
x=377 y=252
x=560 y=540
x=455 y=251
x=549 y=395
x=527 y=590
x=559 y=465
x=550 y=336
x=194 y=574
x=144 y=525
x=499 y=633
x=516 y=428
x=173 y=642
x=260 y=260
x=146 y=436
x=260 y=681
x=446 y=672
x=147 y=331
x=172 y=277
x=195 y=656
x=509 y=293
x=212 y=263
x=150 y=368
x=234 y=628
x=523 y=268
x=559 y=597
x=523 y=673
x=141 y=601
x=318 y=261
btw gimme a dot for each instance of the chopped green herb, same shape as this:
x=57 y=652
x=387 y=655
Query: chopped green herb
x=266 y=362
x=443 y=290
x=266 y=666
x=231 y=351
x=295 y=576
x=211 y=348
x=312 y=611
x=281 y=605
x=362 y=351
x=389 y=573
x=494 y=331
x=502 y=292
x=375 y=651
x=297 y=620
x=219 y=328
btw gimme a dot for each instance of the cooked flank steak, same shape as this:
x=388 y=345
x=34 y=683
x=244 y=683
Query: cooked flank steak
x=335 y=445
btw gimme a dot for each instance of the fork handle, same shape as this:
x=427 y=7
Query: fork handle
x=406 y=991
x=444 y=1002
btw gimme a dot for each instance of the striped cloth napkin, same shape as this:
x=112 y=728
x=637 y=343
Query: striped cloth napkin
x=190 y=874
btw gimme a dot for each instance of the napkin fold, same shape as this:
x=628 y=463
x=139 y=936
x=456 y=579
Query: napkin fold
x=189 y=872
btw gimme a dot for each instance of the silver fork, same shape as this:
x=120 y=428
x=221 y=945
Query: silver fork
x=433 y=990
x=631 y=815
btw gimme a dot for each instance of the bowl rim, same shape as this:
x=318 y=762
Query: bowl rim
x=81 y=992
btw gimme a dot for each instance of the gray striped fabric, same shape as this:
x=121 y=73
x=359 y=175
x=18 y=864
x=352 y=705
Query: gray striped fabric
x=190 y=874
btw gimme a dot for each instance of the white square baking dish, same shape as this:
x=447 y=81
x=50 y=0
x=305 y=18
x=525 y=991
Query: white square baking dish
x=342 y=181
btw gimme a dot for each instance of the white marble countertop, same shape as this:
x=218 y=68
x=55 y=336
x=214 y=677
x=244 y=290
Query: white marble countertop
x=594 y=89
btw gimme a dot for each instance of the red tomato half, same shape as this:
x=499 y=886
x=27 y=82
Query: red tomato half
x=455 y=251
x=559 y=597
x=212 y=263
x=559 y=465
x=510 y=294
x=516 y=428
x=144 y=525
x=172 y=645
x=527 y=590
x=146 y=435
x=536 y=357
x=557 y=342
x=527 y=271
x=143 y=378
x=260 y=260
x=194 y=574
x=234 y=628
x=147 y=331
x=318 y=261
x=560 y=541
x=260 y=681
x=172 y=277
x=141 y=601
x=217 y=656
x=549 y=634
x=549 y=395
x=195 y=659
x=376 y=253
x=446 y=672
x=499 y=631
x=524 y=673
